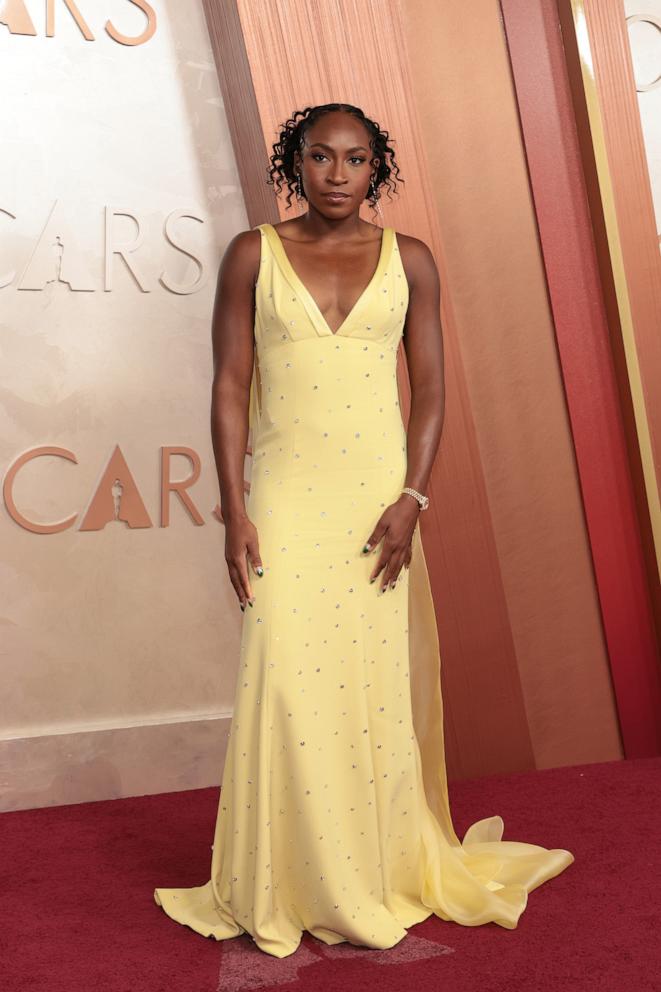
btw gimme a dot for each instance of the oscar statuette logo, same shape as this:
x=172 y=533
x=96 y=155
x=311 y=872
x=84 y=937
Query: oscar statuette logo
x=15 y=16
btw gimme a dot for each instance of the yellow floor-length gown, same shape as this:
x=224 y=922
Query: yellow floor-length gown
x=333 y=813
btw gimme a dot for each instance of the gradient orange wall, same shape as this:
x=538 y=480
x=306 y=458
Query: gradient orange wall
x=525 y=670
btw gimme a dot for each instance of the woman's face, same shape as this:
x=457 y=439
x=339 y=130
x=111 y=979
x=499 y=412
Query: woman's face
x=336 y=159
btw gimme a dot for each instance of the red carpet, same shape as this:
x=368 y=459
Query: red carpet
x=78 y=911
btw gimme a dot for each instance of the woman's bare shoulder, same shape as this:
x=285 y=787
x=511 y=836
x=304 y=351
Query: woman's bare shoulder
x=243 y=253
x=411 y=245
x=416 y=255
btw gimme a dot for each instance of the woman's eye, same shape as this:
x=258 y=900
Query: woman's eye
x=354 y=158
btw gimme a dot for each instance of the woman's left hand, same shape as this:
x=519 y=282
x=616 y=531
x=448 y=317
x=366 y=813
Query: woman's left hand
x=395 y=525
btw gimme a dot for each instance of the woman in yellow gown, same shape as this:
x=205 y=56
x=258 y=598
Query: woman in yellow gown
x=333 y=814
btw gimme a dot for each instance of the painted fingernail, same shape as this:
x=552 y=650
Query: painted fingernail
x=243 y=609
x=393 y=584
x=250 y=602
x=383 y=588
x=259 y=570
x=366 y=548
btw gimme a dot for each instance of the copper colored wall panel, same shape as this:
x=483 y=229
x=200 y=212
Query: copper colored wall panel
x=496 y=280
x=559 y=152
x=524 y=667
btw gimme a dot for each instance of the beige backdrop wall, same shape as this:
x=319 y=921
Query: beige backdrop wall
x=119 y=646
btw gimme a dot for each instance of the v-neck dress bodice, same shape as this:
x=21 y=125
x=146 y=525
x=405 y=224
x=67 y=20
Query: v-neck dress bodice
x=334 y=813
x=387 y=248
x=286 y=314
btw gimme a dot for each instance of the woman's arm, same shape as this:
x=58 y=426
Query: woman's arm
x=423 y=344
x=233 y=346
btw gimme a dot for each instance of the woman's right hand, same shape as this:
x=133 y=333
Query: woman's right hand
x=241 y=547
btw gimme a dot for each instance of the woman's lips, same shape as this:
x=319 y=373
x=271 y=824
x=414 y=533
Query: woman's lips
x=336 y=196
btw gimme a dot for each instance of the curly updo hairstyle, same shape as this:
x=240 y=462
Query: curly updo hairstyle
x=291 y=140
